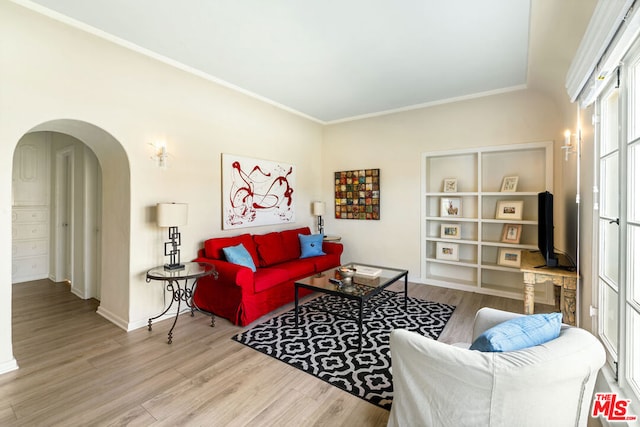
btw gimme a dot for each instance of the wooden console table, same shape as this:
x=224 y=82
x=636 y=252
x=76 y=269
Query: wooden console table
x=565 y=282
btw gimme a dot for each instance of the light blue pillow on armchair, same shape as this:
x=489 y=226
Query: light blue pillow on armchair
x=239 y=255
x=310 y=245
x=520 y=332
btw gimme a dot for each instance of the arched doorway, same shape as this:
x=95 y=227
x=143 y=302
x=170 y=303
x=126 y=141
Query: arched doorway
x=57 y=192
x=113 y=270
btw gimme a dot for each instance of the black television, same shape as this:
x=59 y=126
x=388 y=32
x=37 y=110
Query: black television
x=545 y=228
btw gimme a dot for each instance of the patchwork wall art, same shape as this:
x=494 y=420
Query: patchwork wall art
x=256 y=192
x=357 y=194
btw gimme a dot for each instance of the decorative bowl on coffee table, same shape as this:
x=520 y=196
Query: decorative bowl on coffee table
x=346 y=275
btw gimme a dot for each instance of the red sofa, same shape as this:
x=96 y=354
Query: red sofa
x=243 y=296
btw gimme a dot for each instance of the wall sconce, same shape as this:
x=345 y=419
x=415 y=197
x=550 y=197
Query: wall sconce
x=172 y=215
x=569 y=147
x=317 y=209
x=160 y=154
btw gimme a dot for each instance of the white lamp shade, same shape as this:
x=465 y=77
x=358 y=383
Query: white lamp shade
x=317 y=208
x=172 y=214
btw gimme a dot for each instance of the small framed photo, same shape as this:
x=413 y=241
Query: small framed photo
x=509 y=184
x=509 y=257
x=450 y=207
x=511 y=233
x=509 y=209
x=450 y=231
x=447 y=251
x=450 y=185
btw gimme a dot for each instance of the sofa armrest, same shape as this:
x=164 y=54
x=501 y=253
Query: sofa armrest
x=487 y=318
x=229 y=273
x=436 y=384
x=332 y=248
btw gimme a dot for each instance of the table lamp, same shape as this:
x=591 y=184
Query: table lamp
x=317 y=209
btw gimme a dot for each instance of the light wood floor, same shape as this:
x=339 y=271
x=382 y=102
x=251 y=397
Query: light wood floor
x=77 y=369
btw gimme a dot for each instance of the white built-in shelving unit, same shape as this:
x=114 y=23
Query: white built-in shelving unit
x=479 y=174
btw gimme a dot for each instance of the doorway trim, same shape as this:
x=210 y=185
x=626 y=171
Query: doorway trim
x=64 y=224
x=115 y=262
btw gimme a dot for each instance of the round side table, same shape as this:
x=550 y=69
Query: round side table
x=178 y=284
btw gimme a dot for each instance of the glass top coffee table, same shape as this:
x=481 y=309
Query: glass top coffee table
x=364 y=287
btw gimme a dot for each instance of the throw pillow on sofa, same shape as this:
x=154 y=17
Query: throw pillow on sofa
x=239 y=255
x=213 y=247
x=291 y=243
x=310 y=245
x=270 y=249
x=520 y=332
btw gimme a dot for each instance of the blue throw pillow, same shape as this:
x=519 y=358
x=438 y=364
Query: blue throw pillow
x=519 y=333
x=239 y=255
x=310 y=245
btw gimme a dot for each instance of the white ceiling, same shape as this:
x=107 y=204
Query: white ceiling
x=330 y=60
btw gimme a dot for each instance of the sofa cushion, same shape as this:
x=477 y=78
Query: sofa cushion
x=268 y=277
x=239 y=255
x=270 y=249
x=326 y=262
x=520 y=332
x=299 y=268
x=213 y=247
x=310 y=245
x=291 y=242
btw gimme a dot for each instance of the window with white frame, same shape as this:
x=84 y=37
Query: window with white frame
x=618 y=223
x=632 y=256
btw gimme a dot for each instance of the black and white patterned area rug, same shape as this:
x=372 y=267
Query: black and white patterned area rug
x=326 y=345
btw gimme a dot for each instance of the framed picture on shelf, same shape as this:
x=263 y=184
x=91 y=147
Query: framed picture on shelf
x=511 y=233
x=509 y=209
x=451 y=207
x=509 y=257
x=450 y=185
x=450 y=231
x=509 y=184
x=447 y=251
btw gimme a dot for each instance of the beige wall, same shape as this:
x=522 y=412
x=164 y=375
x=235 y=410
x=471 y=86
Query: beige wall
x=63 y=76
x=394 y=144
x=588 y=289
x=59 y=73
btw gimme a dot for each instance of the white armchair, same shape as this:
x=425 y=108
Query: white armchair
x=437 y=384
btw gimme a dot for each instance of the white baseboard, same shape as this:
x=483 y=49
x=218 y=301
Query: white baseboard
x=116 y=320
x=8 y=366
x=78 y=293
x=141 y=323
